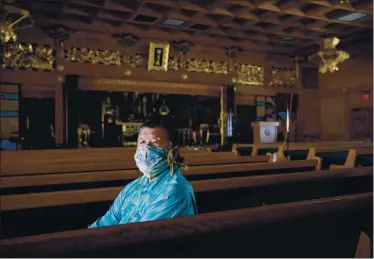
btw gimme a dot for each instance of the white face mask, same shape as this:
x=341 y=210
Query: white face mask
x=151 y=160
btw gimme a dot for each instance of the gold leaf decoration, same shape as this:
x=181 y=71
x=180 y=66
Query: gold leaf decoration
x=92 y=56
x=28 y=56
x=283 y=77
x=249 y=74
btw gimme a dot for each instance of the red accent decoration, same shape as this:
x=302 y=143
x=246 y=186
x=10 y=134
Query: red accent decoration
x=365 y=96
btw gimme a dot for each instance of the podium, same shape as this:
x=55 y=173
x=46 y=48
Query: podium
x=265 y=132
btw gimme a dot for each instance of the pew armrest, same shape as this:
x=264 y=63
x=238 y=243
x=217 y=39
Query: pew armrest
x=319 y=162
x=236 y=153
x=254 y=150
x=234 y=147
x=270 y=157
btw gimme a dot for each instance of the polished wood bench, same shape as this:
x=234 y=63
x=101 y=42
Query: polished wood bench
x=121 y=177
x=334 y=153
x=251 y=149
x=314 y=228
x=36 y=213
x=45 y=162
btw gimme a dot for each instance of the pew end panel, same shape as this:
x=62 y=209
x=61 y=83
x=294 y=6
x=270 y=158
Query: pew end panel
x=350 y=161
x=270 y=157
x=312 y=156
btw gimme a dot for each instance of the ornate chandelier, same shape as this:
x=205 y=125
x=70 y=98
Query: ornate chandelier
x=7 y=24
x=330 y=56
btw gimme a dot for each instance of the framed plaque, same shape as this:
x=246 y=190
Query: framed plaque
x=158 y=56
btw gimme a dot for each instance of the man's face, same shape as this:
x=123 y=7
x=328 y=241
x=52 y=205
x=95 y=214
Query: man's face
x=156 y=137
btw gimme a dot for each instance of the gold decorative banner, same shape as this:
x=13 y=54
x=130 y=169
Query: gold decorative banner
x=283 y=77
x=249 y=74
x=93 y=56
x=27 y=56
x=158 y=56
x=23 y=56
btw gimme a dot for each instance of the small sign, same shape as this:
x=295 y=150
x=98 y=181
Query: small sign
x=158 y=56
x=365 y=95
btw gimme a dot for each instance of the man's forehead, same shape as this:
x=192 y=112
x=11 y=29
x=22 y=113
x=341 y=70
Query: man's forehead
x=154 y=132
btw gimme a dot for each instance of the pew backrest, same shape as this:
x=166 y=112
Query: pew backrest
x=319 y=146
x=59 y=198
x=43 y=163
x=12 y=181
x=211 y=233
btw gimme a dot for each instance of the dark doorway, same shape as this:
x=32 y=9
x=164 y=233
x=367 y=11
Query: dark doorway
x=38 y=120
x=246 y=115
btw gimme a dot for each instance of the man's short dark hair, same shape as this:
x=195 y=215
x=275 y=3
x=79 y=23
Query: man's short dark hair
x=171 y=132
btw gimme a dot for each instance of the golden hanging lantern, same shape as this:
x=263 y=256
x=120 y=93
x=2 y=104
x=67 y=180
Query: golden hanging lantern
x=330 y=56
x=9 y=26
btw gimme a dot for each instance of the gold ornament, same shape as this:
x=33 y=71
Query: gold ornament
x=7 y=30
x=234 y=79
x=60 y=68
x=184 y=76
x=28 y=56
x=94 y=56
x=330 y=56
x=60 y=79
x=128 y=72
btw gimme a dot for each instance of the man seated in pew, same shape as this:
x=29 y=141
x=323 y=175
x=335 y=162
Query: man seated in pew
x=162 y=192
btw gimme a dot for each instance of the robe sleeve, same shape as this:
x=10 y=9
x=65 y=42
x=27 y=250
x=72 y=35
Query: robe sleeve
x=174 y=203
x=113 y=215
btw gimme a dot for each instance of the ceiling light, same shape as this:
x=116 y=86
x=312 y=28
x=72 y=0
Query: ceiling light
x=287 y=38
x=351 y=17
x=173 y=22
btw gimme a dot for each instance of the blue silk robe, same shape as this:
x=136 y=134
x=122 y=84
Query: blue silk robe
x=164 y=197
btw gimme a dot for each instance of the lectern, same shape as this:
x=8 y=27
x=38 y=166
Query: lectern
x=264 y=132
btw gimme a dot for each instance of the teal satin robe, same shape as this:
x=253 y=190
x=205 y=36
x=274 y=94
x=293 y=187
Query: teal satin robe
x=142 y=200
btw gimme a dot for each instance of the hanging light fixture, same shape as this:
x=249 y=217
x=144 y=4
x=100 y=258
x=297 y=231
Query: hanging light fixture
x=8 y=25
x=330 y=56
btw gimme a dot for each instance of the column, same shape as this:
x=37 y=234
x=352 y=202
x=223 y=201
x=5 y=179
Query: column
x=59 y=115
x=70 y=100
x=223 y=116
x=231 y=120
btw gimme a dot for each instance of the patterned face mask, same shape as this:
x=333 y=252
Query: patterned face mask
x=151 y=161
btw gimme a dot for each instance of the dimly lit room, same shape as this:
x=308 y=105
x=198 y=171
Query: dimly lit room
x=186 y=129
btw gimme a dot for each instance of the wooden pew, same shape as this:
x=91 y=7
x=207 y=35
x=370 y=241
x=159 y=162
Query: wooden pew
x=197 y=172
x=314 y=228
x=251 y=149
x=78 y=154
x=70 y=163
x=350 y=161
x=37 y=213
x=330 y=153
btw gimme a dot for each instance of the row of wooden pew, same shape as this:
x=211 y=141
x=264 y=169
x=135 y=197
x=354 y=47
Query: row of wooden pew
x=216 y=188
x=70 y=160
x=360 y=153
x=50 y=201
x=329 y=227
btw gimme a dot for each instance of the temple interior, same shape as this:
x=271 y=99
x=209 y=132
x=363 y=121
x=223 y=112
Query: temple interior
x=272 y=102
